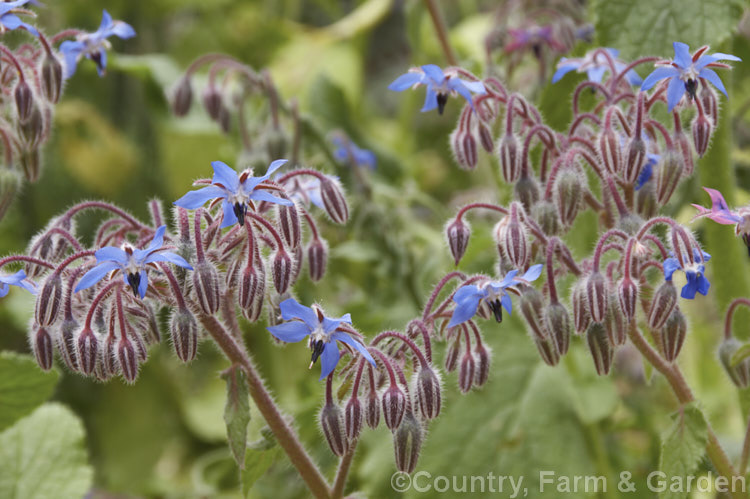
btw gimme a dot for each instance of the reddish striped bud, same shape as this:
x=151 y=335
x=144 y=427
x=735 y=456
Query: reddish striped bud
x=394 y=406
x=48 y=300
x=283 y=267
x=457 y=148
x=288 y=219
x=333 y=200
x=557 y=321
x=702 y=128
x=87 y=350
x=685 y=149
x=483 y=357
x=668 y=176
x=427 y=392
x=627 y=296
x=251 y=291
x=66 y=344
x=24 y=100
x=52 y=78
x=547 y=351
x=532 y=307
x=509 y=153
x=469 y=150
x=206 y=287
x=568 y=190
x=317 y=258
x=333 y=429
x=372 y=409
x=673 y=335
x=184 y=332
x=407 y=443
x=662 y=304
x=710 y=103
x=212 y=102
x=182 y=98
x=600 y=348
x=597 y=296
x=298 y=256
x=610 y=150
x=466 y=371
x=485 y=137
x=615 y=323
x=581 y=314
x=225 y=119
x=127 y=357
x=740 y=373
x=353 y=418
x=635 y=158
x=451 y=355
x=512 y=242
x=41 y=344
x=457 y=232
x=108 y=366
x=682 y=244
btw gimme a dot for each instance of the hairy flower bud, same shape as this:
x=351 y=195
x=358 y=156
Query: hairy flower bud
x=353 y=418
x=206 y=286
x=127 y=357
x=225 y=119
x=702 y=128
x=451 y=355
x=557 y=321
x=317 y=258
x=545 y=212
x=673 y=335
x=10 y=186
x=407 y=443
x=394 y=406
x=682 y=245
x=532 y=306
x=627 y=297
x=427 y=392
x=466 y=371
x=600 y=347
x=662 y=304
x=52 y=78
x=48 y=301
x=527 y=192
x=485 y=137
x=597 y=296
x=710 y=103
x=509 y=153
x=469 y=150
x=482 y=354
x=32 y=130
x=645 y=202
x=87 y=350
x=109 y=364
x=740 y=373
x=289 y=223
x=298 y=256
x=282 y=270
x=635 y=158
x=333 y=429
x=457 y=233
x=251 y=291
x=668 y=176
x=683 y=145
x=182 y=98
x=568 y=190
x=184 y=332
x=41 y=344
x=547 y=351
x=456 y=142
x=30 y=159
x=212 y=101
x=66 y=343
x=333 y=200
x=24 y=100
x=615 y=323
x=610 y=150
x=372 y=409
x=581 y=314
x=512 y=242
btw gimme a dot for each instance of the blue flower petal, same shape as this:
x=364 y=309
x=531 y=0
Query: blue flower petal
x=507 y=303
x=328 y=359
x=467 y=304
x=4 y=289
x=362 y=349
x=225 y=176
x=112 y=254
x=261 y=195
x=95 y=275
x=596 y=74
x=405 y=81
x=659 y=74
x=430 y=100
x=291 y=309
x=564 y=69
x=533 y=273
x=670 y=266
x=675 y=91
x=434 y=73
x=143 y=284
x=196 y=199
x=703 y=285
x=122 y=30
x=682 y=55
x=168 y=256
x=290 y=332
x=229 y=217
x=710 y=75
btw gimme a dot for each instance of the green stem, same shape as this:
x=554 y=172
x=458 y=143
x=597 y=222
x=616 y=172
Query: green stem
x=343 y=471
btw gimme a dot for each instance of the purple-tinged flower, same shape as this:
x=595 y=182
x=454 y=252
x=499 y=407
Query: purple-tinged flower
x=348 y=152
x=695 y=274
x=533 y=37
x=439 y=86
x=133 y=263
x=595 y=64
x=720 y=213
x=235 y=191
x=468 y=298
x=648 y=170
x=18 y=279
x=323 y=333
x=10 y=21
x=94 y=45
x=683 y=72
x=305 y=191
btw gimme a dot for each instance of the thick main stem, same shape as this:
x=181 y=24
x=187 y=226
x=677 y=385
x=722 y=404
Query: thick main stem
x=283 y=432
x=343 y=471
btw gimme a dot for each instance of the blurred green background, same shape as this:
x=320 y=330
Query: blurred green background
x=116 y=139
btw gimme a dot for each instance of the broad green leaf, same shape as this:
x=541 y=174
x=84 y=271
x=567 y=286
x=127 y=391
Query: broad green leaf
x=23 y=386
x=44 y=456
x=683 y=446
x=237 y=413
x=648 y=27
x=259 y=457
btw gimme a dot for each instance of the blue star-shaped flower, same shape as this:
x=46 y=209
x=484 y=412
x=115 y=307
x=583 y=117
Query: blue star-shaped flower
x=595 y=65
x=439 y=86
x=323 y=331
x=18 y=279
x=10 y=21
x=305 y=191
x=684 y=70
x=133 y=263
x=469 y=297
x=234 y=190
x=94 y=45
x=348 y=151
x=695 y=274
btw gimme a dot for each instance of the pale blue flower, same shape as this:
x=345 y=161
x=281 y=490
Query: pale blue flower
x=439 y=86
x=94 y=45
x=695 y=274
x=11 y=21
x=595 y=65
x=18 y=279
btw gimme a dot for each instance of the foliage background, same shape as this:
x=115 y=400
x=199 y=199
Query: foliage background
x=116 y=139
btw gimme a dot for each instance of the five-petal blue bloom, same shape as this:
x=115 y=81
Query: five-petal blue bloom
x=323 y=333
x=595 y=65
x=439 y=86
x=234 y=190
x=348 y=151
x=684 y=71
x=468 y=298
x=10 y=21
x=18 y=279
x=695 y=274
x=133 y=263
x=94 y=45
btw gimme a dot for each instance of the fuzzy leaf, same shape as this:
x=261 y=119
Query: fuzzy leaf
x=683 y=446
x=237 y=413
x=23 y=386
x=44 y=456
x=259 y=457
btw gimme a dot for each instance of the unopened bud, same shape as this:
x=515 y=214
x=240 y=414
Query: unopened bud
x=206 y=286
x=547 y=351
x=545 y=212
x=683 y=145
x=394 y=406
x=600 y=347
x=252 y=288
x=457 y=148
x=610 y=150
x=558 y=324
x=353 y=418
x=282 y=270
x=709 y=102
x=485 y=137
x=31 y=163
x=109 y=365
x=52 y=78
x=183 y=97
x=483 y=357
x=568 y=194
x=333 y=200
x=333 y=429
x=466 y=371
x=372 y=409
x=289 y=223
x=673 y=335
x=128 y=359
x=532 y=307
x=184 y=332
x=66 y=344
x=407 y=443
x=702 y=128
x=32 y=130
x=10 y=186
x=298 y=256
x=627 y=296
x=645 y=202
x=597 y=296
x=615 y=323
x=225 y=119
x=509 y=152
x=41 y=343
x=212 y=102
x=740 y=373
x=527 y=192
x=469 y=144
x=457 y=233
x=451 y=355
x=48 y=300
x=512 y=242
x=635 y=158
x=24 y=100
x=581 y=314
x=87 y=350
x=427 y=392
x=668 y=176
x=317 y=258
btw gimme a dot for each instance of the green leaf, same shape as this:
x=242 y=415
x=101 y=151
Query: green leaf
x=683 y=446
x=44 y=456
x=259 y=457
x=23 y=386
x=237 y=412
x=648 y=27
